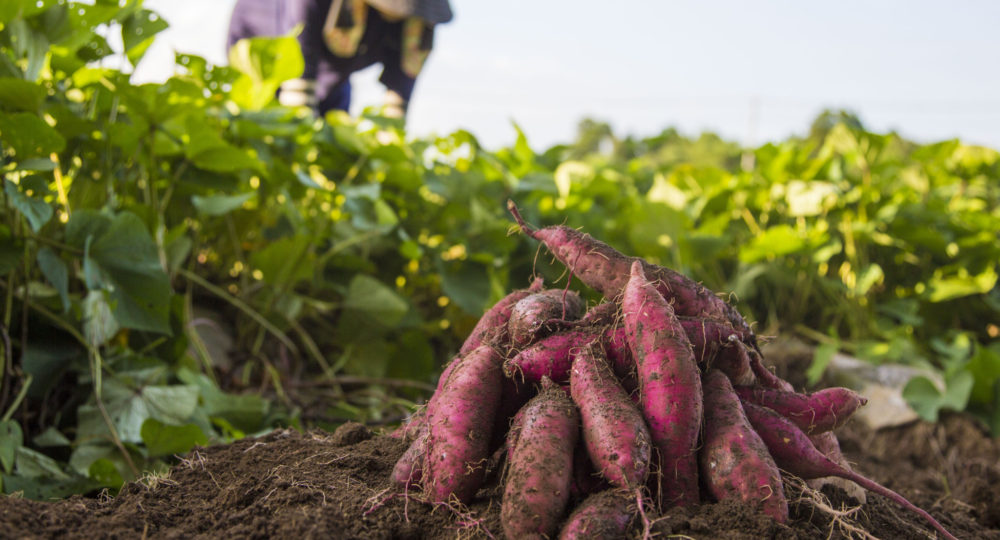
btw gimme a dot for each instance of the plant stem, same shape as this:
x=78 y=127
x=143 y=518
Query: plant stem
x=242 y=306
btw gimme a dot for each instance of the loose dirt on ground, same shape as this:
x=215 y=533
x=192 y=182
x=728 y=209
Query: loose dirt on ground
x=336 y=485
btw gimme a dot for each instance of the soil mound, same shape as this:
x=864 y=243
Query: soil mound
x=336 y=485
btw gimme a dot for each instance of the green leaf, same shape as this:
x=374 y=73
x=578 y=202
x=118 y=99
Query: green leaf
x=928 y=400
x=36 y=165
x=11 y=251
x=46 y=358
x=925 y=398
x=166 y=440
x=467 y=284
x=51 y=438
x=225 y=158
x=86 y=223
x=264 y=63
x=285 y=262
x=55 y=271
x=218 y=205
x=985 y=369
x=775 y=242
x=104 y=472
x=37 y=212
x=129 y=257
x=99 y=323
x=243 y=412
x=138 y=31
x=129 y=408
x=414 y=358
x=34 y=464
x=30 y=47
x=371 y=297
x=21 y=94
x=28 y=136
x=942 y=289
x=11 y=439
x=9 y=9
x=172 y=404
x=821 y=358
x=868 y=278
x=47 y=489
x=810 y=198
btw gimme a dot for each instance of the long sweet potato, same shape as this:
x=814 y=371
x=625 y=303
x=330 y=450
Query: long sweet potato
x=606 y=270
x=460 y=424
x=817 y=412
x=794 y=452
x=601 y=516
x=735 y=463
x=549 y=356
x=493 y=324
x=669 y=387
x=541 y=466
x=614 y=431
x=538 y=314
x=409 y=469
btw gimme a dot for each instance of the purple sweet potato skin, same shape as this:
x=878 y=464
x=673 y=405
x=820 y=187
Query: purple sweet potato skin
x=794 y=452
x=619 y=355
x=710 y=341
x=460 y=422
x=735 y=463
x=530 y=315
x=409 y=469
x=549 y=357
x=412 y=427
x=669 y=388
x=541 y=466
x=788 y=445
x=614 y=431
x=513 y=396
x=605 y=269
x=493 y=324
x=820 y=411
x=601 y=516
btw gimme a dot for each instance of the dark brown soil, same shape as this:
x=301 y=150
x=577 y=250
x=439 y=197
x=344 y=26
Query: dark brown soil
x=336 y=485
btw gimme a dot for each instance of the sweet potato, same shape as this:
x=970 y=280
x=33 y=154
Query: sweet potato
x=602 y=314
x=541 y=466
x=718 y=345
x=493 y=324
x=614 y=339
x=549 y=356
x=605 y=269
x=766 y=377
x=729 y=356
x=514 y=394
x=409 y=469
x=794 y=452
x=828 y=444
x=460 y=424
x=538 y=314
x=586 y=480
x=735 y=463
x=817 y=412
x=602 y=516
x=669 y=387
x=412 y=427
x=614 y=432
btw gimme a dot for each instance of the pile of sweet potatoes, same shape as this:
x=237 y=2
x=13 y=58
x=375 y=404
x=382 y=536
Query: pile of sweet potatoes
x=604 y=417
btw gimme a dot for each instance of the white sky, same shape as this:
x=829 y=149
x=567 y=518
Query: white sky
x=751 y=71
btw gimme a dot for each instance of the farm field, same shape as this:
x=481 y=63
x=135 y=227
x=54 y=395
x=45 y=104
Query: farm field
x=215 y=308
